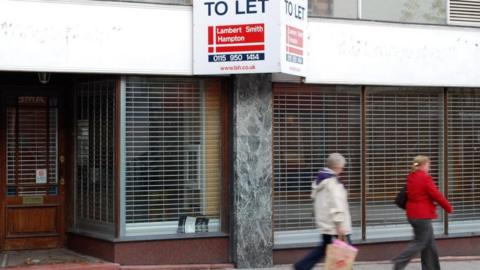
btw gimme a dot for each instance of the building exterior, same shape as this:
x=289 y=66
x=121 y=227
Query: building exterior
x=111 y=146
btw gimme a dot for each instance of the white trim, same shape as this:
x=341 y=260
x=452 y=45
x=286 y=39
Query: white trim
x=359 y=9
x=447 y=10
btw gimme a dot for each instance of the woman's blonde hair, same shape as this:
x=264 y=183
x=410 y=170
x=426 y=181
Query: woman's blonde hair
x=419 y=161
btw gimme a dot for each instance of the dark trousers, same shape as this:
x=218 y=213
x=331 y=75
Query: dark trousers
x=317 y=254
x=423 y=242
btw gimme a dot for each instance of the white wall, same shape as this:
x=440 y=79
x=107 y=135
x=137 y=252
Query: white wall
x=95 y=37
x=106 y=37
x=372 y=53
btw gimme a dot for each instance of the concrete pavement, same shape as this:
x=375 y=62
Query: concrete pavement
x=459 y=263
x=65 y=259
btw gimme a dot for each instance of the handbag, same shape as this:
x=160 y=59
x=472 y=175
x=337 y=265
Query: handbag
x=401 y=198
x=340 y=256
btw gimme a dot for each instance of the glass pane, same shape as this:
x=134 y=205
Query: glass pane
x=419 y=11
x=333 y=8
x=464 y=159
x=309 y=124
x=95 y=158
x=173 y=156
x=32 y=147
x=400 y=124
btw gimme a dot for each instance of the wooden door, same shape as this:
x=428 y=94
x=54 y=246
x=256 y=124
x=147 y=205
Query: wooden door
x=33 y=181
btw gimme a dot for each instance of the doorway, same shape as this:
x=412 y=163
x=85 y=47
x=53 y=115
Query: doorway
x=33 y=171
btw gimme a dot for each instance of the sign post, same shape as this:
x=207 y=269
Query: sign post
x=249 y=36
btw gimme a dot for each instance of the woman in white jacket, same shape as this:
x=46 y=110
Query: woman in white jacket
x=332 y=214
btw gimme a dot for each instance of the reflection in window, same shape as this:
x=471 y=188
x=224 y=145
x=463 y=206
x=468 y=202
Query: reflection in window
x=418 y=11
x=333 y=8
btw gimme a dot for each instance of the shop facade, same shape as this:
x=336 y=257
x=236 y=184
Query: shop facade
x=113 y=148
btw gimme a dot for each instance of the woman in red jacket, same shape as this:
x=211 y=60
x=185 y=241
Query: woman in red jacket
x=422 y=194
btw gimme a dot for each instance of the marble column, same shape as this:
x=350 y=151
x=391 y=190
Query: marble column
x=252 y=245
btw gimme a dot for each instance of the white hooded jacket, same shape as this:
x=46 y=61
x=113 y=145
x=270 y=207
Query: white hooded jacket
x=330 y=203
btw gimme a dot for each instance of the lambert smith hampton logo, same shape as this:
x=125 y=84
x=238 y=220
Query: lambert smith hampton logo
x=241 y=42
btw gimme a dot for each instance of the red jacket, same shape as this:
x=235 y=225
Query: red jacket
x=421 y=195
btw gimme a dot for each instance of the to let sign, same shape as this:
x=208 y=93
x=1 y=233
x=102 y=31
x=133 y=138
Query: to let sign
x=249 y=36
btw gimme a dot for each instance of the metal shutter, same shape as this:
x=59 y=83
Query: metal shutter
x=401 y=123
x=94 y=150
x=31 y=145
x=464 y=12
x=173 y=151
x=464 y=158
x=309 y=123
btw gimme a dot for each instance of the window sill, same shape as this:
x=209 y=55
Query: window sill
x=150 y=238
x=172 y=237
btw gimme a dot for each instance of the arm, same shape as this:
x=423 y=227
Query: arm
x=437 y=196
x=336 y=203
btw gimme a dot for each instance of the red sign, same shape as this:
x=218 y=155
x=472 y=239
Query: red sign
x=294 y=40
x=236 y=38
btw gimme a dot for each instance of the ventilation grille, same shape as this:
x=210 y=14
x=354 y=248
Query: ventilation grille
x=464 y=12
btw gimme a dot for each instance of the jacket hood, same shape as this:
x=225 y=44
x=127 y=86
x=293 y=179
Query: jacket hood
x=324 y=174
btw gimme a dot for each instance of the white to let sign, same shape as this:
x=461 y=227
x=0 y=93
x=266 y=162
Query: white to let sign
x=41 y=176
x=293 y=36
x=249 y=36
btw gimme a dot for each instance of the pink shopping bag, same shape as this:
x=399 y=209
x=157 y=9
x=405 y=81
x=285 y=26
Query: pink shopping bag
x=340 y=256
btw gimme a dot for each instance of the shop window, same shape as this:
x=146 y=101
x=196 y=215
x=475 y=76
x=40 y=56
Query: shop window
x=464 y=159
x=173 y=169
x=400 y=124
x=334 y=8
x=95 y=160
x=417 y=11
x=310 y=123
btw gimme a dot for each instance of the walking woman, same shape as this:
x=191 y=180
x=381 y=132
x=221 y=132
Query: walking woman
x=422 y=194
x=331 y=209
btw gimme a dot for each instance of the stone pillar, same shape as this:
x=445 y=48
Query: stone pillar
x=252 y=245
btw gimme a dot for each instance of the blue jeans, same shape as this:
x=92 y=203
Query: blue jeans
x=309 y=261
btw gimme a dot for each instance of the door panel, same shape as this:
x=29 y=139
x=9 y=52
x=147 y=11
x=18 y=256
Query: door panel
x=20 y=220
x=34 y=198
